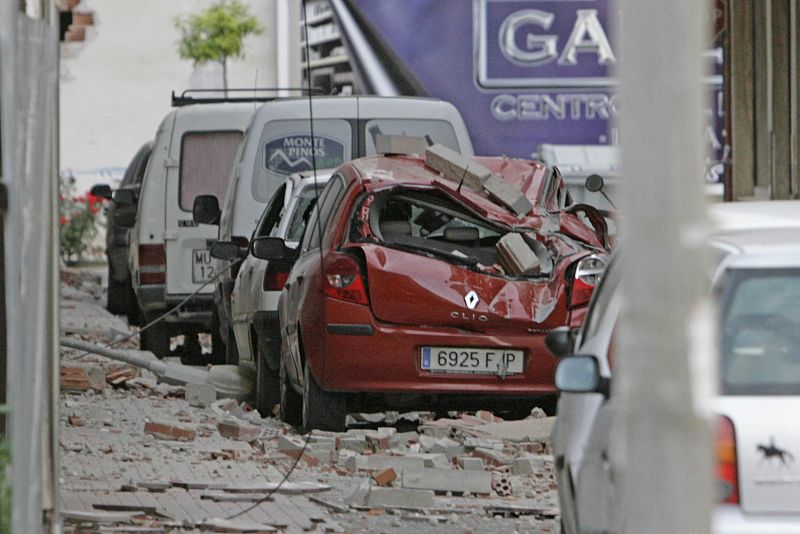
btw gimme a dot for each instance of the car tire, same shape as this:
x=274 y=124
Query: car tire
x=117 y=296
x=155 y=339
x=231 y=350
x=291 y=402
x=322 y=410
x=268 y=388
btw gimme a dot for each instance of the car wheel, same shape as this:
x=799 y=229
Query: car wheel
x=117 y=296
x=155 y=339
x=268 y=389
x=321 y=410
x=231 y=350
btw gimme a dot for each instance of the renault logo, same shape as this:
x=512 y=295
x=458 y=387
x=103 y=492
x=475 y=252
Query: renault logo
x=471 y=300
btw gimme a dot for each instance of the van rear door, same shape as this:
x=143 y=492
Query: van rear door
x=200 y=164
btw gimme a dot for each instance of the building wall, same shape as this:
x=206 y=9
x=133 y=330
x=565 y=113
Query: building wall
x=115 y=85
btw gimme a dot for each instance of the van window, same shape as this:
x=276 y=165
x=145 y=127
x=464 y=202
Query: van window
x=286 y=147
x=206 y=161
x=439 y=131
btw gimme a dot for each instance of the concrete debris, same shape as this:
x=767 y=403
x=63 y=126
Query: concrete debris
x=99 y=516
x=469 y=463
x=238 y=430
x=516 y=256
x=508 y=195
x=200 y=394
x=400 y=498
x=400 y=144
x=523 y=430
x=233 y=525
x=377 y=462
x=285 y=487
x=444 y=480
x=455 y=167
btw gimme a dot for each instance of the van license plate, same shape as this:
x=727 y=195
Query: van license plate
x=463 y=360
x=202 y=267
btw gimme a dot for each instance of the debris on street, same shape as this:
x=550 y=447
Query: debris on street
x=142 y=455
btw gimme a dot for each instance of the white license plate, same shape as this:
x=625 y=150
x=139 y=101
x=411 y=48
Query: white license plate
x=465 y=360
x=202 y=268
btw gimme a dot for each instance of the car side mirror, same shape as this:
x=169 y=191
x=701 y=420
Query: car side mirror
x=125 y=216
x=101 y=191
x=226 y=250
x=205 y=209
x=560 y=341
x=124 y=197
x=271 y=248
x=581 y=374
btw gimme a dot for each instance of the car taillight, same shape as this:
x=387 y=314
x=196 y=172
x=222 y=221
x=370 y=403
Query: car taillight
x=727 y=472
x=343 y=279
x=152 y=264
x=274 y=279
x=588 y=273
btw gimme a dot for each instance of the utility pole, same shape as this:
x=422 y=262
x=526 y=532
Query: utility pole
x=665 y=362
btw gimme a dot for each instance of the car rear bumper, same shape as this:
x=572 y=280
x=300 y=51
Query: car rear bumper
x=730 y=519
x=363 y=355
x=153 y=299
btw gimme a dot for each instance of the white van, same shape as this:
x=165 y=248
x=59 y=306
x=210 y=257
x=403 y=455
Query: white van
x=194 y=150
x=278 y=143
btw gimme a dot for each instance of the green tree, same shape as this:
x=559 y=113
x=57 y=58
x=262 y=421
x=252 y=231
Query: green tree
x=216 y=34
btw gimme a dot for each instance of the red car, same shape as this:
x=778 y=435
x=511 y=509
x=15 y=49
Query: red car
x=401 y=295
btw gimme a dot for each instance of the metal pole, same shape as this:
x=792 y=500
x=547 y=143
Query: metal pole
x=663 y=374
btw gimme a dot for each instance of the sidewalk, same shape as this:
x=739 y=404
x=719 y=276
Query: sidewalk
x=138 y=457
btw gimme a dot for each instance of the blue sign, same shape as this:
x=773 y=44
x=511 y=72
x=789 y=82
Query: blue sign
x=521 y=72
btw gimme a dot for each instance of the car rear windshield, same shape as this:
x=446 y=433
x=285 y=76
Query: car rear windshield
x=287 y=147
x=437 y=130
x=432 y=223
x=206 y=161
x=761 y=332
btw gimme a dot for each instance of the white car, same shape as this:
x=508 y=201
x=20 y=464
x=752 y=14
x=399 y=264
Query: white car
x=254 y=299
x=757 y=276
x=192 y=155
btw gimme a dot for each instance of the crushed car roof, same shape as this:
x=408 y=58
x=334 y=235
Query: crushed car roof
x=529 y=177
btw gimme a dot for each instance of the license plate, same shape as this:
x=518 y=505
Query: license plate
x=202 y=268
x=463 y=360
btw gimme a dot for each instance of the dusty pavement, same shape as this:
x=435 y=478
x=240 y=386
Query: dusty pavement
x=137 y=456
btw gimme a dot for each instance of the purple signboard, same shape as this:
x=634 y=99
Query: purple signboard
x=522 y=72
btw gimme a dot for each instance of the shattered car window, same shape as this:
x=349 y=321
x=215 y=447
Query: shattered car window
x=431 y=223
x=302 y=210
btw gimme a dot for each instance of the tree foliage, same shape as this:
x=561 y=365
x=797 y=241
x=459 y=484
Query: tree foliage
x=216 y=33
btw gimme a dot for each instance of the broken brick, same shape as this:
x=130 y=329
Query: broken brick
x=238 y=431
x=169 y=431
x=74 y=420
x=82 y=377
x=385 y=476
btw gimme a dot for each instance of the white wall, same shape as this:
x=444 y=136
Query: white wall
x=115 y=86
